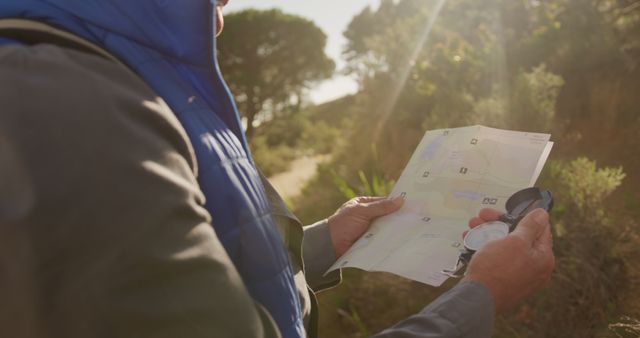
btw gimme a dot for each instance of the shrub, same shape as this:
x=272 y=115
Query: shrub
x=271 y=160
x=590 y=249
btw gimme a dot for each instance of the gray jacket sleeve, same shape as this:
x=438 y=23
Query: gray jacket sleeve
x=117 y=239
x=318 y=255
x=467 y=310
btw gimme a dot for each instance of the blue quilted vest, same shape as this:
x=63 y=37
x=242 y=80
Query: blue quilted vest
x=171 y=45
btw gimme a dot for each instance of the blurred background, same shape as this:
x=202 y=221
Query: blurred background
x=335 y=96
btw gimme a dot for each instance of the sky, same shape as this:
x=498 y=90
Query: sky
x=332 y=16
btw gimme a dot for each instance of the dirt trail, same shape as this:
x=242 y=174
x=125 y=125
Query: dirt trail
x=290 y=183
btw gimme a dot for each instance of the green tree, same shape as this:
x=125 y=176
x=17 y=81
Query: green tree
x=269 y=59
x=531 y=104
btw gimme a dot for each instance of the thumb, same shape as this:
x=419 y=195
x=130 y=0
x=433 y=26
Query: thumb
x=381 y=207
x=532 y=226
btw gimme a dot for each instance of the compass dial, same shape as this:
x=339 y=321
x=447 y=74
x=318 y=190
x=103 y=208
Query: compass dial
x=479 y=236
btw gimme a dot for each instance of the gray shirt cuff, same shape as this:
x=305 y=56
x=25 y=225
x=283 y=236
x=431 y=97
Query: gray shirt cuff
x=467 y=310
x=318 y=255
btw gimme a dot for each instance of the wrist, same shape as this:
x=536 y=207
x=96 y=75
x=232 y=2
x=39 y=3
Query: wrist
x=333 y=233
x=495 y=287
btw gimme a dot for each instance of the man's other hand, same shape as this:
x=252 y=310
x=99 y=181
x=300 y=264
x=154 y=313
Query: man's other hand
x=354 y=218
x=514 y=266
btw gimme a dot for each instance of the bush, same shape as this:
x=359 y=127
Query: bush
x=591 y=247
x=595 y=250
x=320 y=138
x=271 y=160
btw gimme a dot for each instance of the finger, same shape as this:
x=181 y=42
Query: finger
x=485 y=215
x=369 y=199
x=489 y=215
x=532 y=226
x=475 y=221
x=381 y=207
x=545 y=241
x=544 y=249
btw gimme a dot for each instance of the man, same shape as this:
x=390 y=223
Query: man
x=146 y=216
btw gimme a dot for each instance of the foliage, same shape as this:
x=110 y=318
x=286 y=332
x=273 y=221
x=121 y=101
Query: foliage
x=377 y=186
x=321 y=138
x=586 y=186
x=490 y=53
x=278 y=142
x=591 y=269
x=533 y=100
x=320 y=197
x=627 y=328
x=269 y=58
x=284 y=131
x=530 y=105
x=271 y=160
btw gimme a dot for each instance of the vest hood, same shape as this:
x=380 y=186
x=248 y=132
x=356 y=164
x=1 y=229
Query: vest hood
x=181 y=30
x=178 y=32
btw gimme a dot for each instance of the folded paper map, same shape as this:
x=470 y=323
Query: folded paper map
x=451 y=176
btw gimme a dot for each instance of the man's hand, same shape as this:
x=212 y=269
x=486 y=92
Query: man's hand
x=516 y=265
x=354 y=217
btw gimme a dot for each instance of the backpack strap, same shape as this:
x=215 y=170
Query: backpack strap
x=33 y=32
